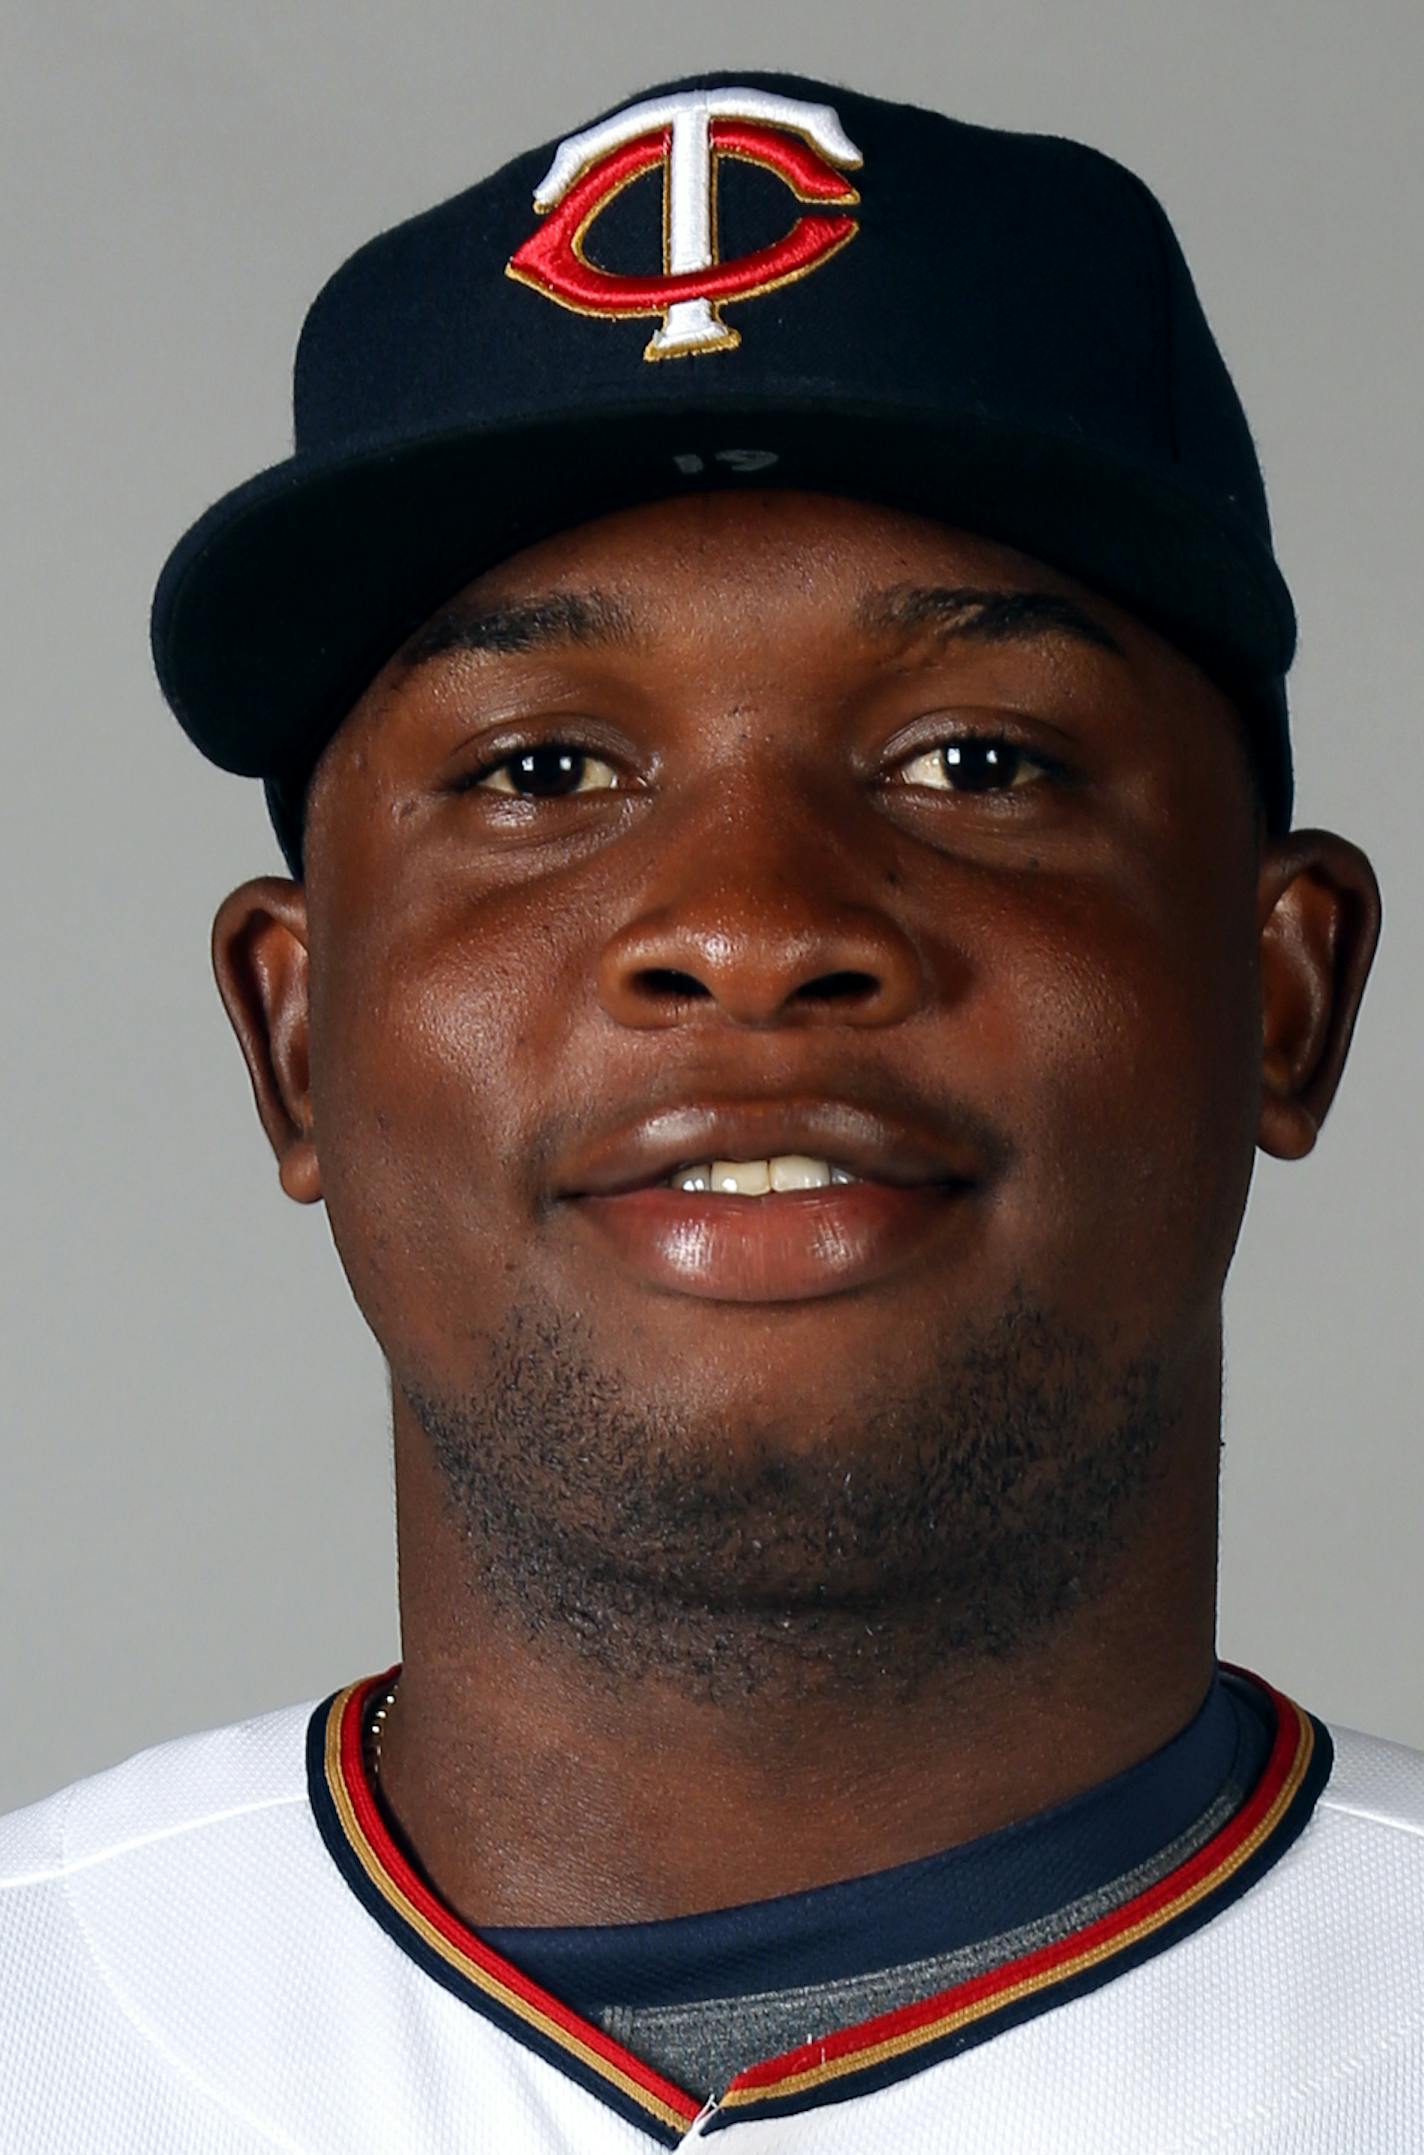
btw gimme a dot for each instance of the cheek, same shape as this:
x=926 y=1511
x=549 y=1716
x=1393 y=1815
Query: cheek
x=1124 y=1035
x=426 y=1062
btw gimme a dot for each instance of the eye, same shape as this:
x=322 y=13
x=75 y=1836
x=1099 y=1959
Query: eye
x=550 y=770
x=980 y=763
x=976 y=763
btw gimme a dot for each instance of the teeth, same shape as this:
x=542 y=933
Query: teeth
x=757 y=1178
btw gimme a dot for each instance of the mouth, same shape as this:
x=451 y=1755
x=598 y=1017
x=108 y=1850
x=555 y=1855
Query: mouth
x=785 y=1241
x=788 y=1174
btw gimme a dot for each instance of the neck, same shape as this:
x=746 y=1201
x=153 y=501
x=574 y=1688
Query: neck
x=529 y=1791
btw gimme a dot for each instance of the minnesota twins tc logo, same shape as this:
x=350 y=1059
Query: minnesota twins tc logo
x=688 y=133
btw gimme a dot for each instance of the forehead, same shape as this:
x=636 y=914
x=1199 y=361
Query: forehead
x=781 y=548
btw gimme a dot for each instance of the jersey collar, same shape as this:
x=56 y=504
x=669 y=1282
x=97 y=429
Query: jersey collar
x=854 y=2060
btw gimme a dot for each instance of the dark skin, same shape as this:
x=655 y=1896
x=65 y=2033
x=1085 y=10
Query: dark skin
x=680 y=1625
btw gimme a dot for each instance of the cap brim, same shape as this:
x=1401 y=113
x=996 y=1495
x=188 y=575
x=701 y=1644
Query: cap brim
x=282 y=603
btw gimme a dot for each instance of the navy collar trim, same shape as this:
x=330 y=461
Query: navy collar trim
x=852 y=2061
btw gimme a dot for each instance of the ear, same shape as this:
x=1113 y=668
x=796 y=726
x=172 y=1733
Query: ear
x=1319 y=922
x=260 y=948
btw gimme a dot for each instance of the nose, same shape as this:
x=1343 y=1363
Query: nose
x=769 y=925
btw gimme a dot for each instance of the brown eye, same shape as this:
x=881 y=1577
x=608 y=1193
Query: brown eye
x=979 y=763
x=549 y=771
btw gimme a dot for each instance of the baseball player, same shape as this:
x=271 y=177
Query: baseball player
x=766 y=663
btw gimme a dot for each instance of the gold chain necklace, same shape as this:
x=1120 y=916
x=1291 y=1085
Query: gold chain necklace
x=373 y=1737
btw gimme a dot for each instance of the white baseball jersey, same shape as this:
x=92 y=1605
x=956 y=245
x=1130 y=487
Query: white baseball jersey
x=216 y=1948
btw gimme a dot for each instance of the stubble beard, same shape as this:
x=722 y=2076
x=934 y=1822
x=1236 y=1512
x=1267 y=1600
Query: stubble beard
x=956 y=1520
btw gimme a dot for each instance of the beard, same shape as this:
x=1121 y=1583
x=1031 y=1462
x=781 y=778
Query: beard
x=958 y=1517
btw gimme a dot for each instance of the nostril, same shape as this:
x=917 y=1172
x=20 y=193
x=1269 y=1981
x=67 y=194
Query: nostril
x=835 y=987
x=663 y=980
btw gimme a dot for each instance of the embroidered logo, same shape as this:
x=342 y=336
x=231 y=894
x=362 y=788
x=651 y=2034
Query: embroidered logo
x=688 y=133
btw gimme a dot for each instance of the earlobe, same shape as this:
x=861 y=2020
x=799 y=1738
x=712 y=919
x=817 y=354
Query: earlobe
x=260 y=945
x=1320 y=926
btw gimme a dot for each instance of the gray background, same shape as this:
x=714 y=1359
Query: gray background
x=196 y=1509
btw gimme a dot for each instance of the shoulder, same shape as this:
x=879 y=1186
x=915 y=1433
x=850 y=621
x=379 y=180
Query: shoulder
x=187 y=1785
x=127 y=1905
x=1356 y=1870
x=1378 y=1783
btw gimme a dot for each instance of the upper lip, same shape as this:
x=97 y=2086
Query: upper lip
x=873 y=1145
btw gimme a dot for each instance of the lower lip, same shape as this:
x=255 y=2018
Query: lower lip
x=787 y=1247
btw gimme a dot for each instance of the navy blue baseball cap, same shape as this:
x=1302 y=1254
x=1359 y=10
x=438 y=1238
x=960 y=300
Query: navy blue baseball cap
x=736 y=279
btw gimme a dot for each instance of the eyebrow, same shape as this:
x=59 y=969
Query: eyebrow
x=986 y=616
x=539 y=624
x=593 y=619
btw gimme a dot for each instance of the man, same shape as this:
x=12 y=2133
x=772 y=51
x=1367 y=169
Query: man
x=794 y=938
